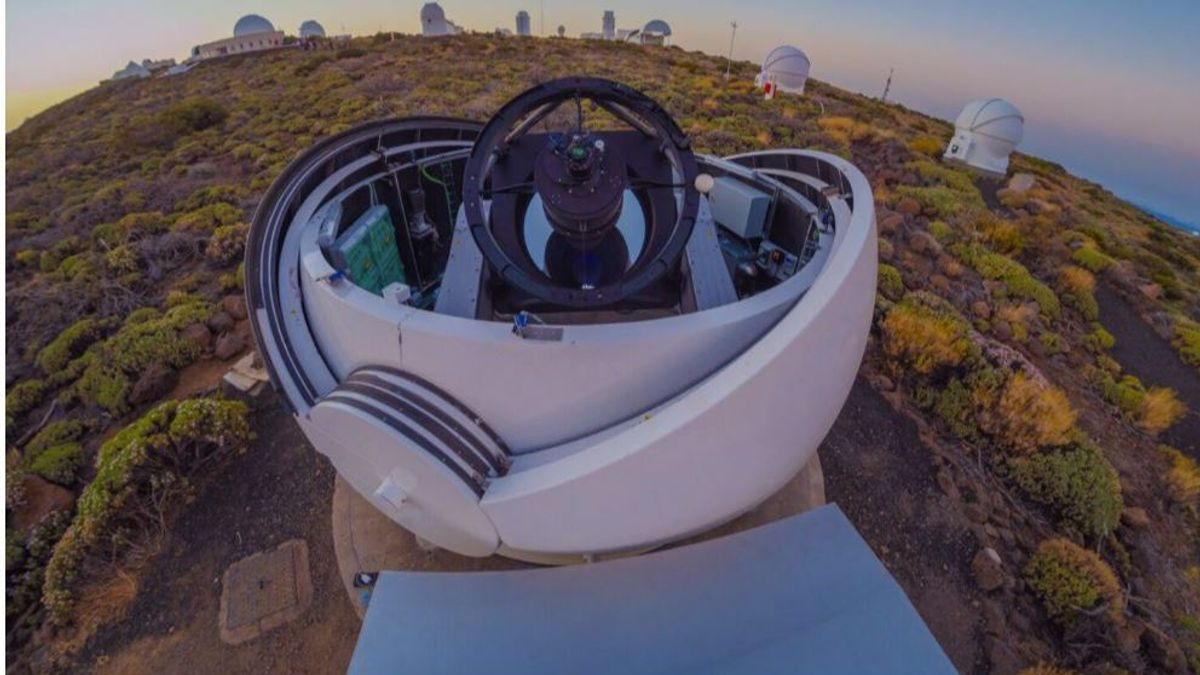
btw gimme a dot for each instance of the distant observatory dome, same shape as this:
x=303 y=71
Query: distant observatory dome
x=432 y=13
x=985 y=134
x=787 y=67
x=657 y=27
x=251 y=24
x=311 y=28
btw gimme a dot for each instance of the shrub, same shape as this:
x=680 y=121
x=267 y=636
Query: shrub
x=140 y=472
x=1077 y=484
x=1183 y=478
x=954 y=405
x=107 y=378
x=1069 y=579
x=194 y=114
x=60 y=463
x=1002 y=235
x=208 y=218
x=350 y=53
x=1053 y=342
x=67 y=344
x=1187 y=341
x=54 y=433
x=944 y=201
x=1026 y=413
x=226 y=243
x=926 y=145
x=1091 y=259
x=1159 y=410
x=1100 y=339
x=890 y=282
x=1076 y=280
x=926 y=333
x=23 y=397
x=941 y=231
x=1017 y=280
x=845 y=130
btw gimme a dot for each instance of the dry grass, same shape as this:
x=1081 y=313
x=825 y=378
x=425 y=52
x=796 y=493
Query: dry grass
x=1029 y=414
x=1076 y=280
x=1159 y=410
x=1183 y=481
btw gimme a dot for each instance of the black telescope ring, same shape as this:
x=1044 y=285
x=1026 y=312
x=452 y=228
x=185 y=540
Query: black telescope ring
x=635 y=108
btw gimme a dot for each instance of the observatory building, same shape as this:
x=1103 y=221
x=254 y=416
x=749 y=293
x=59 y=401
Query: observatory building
x=434 y=22
x=311 y=29
x=609 y=23
x=985 y=134
x=784 y=69
x=656 y=32
x=533 y=338
x=523 y=23
x=134 y=69
x=251 y=33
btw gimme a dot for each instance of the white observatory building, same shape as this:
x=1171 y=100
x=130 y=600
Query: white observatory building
x=609 y=25
x=311 y=29
x=656 y=32
x=434 y=22
x=784 y=69
x=985 y=134
x=523 y=23
x=251 y=33
x=554 y=342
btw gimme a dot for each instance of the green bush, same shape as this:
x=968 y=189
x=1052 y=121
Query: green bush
x=890 y=282
x=1053 y=342
x=59 y=463
x=1187 y=341
x=941 y=231
x=1068 y=579
x=54 y=433
x=1099 y=339
x=1077 y=483
x=194 y=114
x=1017 y=280
x=117 y=361
x=68 y=344
x=227 y=243
x=24 y=396
x=140 y=473
x=1091 y=259
x=946 y=202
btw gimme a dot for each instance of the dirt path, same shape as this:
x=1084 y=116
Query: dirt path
x=281 y=489
x=880 y=473
x=1146 y=355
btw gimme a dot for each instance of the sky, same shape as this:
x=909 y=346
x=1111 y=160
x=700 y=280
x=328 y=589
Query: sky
x=1109 y=88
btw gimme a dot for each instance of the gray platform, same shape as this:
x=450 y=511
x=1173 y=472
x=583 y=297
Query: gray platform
x=801 y=595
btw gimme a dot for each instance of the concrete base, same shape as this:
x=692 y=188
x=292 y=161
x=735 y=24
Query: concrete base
x=365 y=540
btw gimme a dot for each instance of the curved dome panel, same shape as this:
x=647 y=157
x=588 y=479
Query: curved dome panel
x=994 y=117
x=657 y=27
x=251 y=24
x=311 y=28
x=985 y=134
x=787 y=67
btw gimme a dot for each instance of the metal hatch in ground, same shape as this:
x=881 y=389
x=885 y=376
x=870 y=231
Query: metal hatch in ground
x=801 y=595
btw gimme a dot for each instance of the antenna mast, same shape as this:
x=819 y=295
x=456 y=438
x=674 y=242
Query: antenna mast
x=888 y=87
x=542 y=18
x=729 y=59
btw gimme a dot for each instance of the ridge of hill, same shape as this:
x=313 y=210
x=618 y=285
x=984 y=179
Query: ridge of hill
x=127 y=213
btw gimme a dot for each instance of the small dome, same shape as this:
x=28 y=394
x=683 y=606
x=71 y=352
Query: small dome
x=993 y=117
x=657 y=27
x=787 y=67
x=311 y=28
x=431 y=13
x=251 y=24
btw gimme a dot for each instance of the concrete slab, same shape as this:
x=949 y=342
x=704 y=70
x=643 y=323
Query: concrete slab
x=265 y=591
x=365 y=540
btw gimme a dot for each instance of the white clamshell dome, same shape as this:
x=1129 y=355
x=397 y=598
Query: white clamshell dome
x=493 y=389
x=251 y=24
x=985 y=134
x=787 y=67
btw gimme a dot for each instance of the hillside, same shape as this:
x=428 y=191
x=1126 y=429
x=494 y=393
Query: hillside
x=1011 y=329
